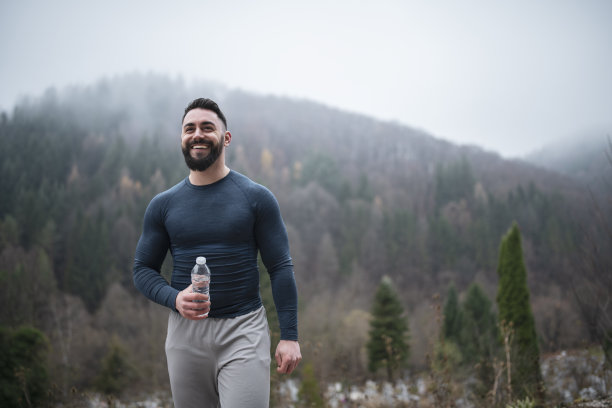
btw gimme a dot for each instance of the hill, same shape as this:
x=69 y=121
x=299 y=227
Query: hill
x=581 y=157
x=361 y=199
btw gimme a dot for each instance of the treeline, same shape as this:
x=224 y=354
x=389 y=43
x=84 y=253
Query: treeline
x=361 y=199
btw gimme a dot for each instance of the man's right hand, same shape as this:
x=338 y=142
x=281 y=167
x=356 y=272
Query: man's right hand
x=185 y=304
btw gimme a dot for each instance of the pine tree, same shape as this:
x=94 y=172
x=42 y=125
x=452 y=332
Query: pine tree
x=23 y=369
x=388 y=344
x=479 y=337
x=479 y=329
x=453 y=316
x=514 y=309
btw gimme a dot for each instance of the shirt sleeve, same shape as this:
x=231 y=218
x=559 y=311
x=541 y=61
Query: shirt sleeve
x=273 y=244
x=151 y=251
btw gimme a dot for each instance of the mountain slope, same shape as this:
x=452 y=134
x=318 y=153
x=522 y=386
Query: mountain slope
x=361 y=198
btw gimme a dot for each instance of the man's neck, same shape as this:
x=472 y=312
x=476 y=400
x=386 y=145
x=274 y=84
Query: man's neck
x=209 y=176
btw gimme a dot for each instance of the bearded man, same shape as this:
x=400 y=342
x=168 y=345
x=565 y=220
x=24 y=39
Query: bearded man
x=218 y=347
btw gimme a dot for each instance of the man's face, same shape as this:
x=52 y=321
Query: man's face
x=202 y=138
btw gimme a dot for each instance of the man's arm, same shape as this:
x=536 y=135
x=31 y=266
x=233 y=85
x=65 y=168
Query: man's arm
x=150 y=254
x=273 y=244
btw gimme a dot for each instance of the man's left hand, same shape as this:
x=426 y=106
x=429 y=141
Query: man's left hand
x=288 y=356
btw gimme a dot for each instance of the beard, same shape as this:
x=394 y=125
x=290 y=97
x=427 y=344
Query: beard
x=203 y=163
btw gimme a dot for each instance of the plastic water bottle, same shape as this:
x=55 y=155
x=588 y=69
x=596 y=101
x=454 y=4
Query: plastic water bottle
x=200 y=277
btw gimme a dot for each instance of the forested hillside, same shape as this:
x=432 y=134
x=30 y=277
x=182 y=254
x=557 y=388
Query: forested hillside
x=361 y=199
x=583 y=158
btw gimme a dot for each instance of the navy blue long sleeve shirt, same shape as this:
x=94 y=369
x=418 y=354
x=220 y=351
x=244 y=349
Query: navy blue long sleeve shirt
x=228 y=222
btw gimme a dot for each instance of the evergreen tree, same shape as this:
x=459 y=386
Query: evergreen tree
x=453 y=182
x=23 y=368
x=388 y=344
x=479 y=337
x=514 y=309
x=87 y=261
x=453 y=317
x=479 y=329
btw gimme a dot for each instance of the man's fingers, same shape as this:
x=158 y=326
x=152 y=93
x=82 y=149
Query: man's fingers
x=193 y=306
x=288 y=356
x=192 y=297
x=281 y=365
x=287 y=365
x=279 y=359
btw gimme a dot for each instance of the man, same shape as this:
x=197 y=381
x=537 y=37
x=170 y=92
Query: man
x=222 y=359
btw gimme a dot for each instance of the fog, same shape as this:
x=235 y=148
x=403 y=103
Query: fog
x=507 y=76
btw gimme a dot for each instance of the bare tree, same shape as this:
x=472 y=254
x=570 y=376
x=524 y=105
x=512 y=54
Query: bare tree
x=592 y=285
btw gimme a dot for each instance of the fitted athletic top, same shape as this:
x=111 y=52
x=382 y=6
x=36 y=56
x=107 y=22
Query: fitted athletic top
x=227 y=222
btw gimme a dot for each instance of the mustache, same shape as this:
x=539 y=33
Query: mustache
x=200 y=142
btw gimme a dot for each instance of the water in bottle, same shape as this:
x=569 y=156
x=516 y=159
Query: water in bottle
x=200 y=277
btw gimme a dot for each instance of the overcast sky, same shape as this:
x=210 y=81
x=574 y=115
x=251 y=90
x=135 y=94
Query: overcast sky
x=509 y=76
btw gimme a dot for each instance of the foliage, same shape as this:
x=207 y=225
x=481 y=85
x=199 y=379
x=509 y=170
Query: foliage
x=453 y=317
x=524 y=403
x=479 y=331
x=447 y=356
x=310 y=393
x=514 y=308
x=323 y=169
x=116 y=370
x=479 y=338
x=454 y=181
x=388 y=344
x=470 y=336
x=86 y=271
x=27 y=284
x=361 y=198
x=23 y=367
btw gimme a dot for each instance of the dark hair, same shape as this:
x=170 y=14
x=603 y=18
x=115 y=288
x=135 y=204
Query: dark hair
x=205 y=103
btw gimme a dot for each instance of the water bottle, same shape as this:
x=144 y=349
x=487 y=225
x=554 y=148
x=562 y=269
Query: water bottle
x=200 y=277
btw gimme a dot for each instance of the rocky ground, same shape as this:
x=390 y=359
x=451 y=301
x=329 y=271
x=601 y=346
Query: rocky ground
x=603 y=403
x=576 y=379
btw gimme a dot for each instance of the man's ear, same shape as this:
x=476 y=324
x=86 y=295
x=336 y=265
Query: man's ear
x=227 y=138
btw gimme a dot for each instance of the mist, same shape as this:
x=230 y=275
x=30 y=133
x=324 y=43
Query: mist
x=508 y=77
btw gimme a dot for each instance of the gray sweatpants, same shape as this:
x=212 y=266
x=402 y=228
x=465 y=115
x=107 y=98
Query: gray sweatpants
x=219 y=362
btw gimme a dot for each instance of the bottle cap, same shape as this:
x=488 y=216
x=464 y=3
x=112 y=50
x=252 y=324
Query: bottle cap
x=200 y=260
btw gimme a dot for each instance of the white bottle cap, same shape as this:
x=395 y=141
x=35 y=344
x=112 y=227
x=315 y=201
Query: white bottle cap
x=200 y=260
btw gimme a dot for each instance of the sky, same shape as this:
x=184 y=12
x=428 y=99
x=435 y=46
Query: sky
x=508 y=76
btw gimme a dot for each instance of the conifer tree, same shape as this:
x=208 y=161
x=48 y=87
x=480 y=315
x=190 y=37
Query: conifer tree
x=23 y=367
x=479 y=337
x=479 y=329
x=388 y=344
x=453 y=316
x=514 y=309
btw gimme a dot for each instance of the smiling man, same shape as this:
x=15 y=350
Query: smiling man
x=222 y=359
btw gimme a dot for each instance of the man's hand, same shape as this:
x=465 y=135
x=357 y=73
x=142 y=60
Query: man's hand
x=187 y=306
x=287 y=356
